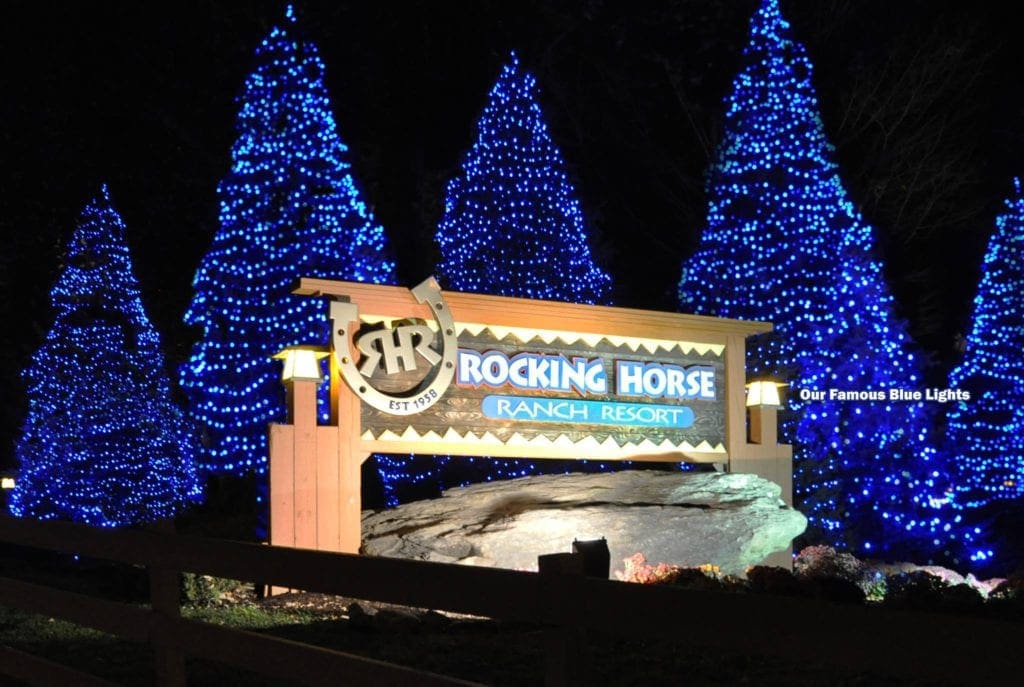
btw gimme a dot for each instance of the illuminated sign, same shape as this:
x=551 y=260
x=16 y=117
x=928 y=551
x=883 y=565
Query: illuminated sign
x=397 y=350
x=425 y=372
x=467 y=383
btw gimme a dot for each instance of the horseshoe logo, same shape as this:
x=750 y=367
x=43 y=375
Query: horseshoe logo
x=396 y=349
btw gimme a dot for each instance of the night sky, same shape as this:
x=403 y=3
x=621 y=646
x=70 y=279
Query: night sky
x=921 y=98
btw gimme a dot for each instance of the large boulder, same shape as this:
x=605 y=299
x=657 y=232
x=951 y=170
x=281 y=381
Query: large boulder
x=684 y=518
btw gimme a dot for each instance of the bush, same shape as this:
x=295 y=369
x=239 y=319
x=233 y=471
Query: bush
x=824 y=561
x=637 y=569
x=1011 y=588
x=916 y=589
x=765 y=579
x=703 y=578
x=204 y=591
x=834 y=589
x=961 y=598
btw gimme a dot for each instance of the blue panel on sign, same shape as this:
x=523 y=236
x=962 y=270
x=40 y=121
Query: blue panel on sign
x=542 y=409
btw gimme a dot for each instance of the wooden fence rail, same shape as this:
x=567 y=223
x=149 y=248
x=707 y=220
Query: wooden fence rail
x=929 y=647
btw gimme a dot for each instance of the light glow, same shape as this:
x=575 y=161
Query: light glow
x=985 y=435
x=289 y=208
x=103 y=444
x=301 y=363
x=783 y=242
x=764 y=394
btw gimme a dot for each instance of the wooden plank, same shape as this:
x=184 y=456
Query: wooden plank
x=565 y=652
x=164 y=591
x=977 y=651
x=735 y=395
x=304 y=408
x=169 y=660
x=328 y=490
x=293 y=661
x=350 y=458
x=395 y=301
x=36 y=670
x=465 y=448
x=459 y=588
x=112 y=617
x=282 y=485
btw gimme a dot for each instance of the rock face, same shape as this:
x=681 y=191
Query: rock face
x=729 y=520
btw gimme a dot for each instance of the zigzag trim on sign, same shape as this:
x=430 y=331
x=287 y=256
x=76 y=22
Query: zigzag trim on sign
x=561 y=441
x=569 y=338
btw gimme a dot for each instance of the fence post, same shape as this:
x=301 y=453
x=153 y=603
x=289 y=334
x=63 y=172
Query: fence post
x=164 y=597
x=565 y=659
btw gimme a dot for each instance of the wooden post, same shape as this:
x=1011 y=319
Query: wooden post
x=566 y=662
x=298 y=476
x=764 y=425
x=164 y=597
x=302 y=409
x=347 y=508
x=753 y=438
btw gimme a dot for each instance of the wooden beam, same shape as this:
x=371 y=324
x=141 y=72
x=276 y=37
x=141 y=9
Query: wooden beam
x=282 y=485
x=396 y=301
x=36 y=670
x=123 y=620
x=735 y=396
x=297 y=662
x=469 y=448
x=976 y=651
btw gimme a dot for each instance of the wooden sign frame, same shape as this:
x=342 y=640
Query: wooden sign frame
x=315 y=470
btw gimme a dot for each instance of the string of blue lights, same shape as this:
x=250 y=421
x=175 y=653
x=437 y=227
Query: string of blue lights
x=102 y=444
x=986 y=434
x=784 y=243
x=512 y=226
x=289 y=208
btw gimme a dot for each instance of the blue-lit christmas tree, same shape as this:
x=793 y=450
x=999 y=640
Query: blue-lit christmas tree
x=289 y=208
x=103 y=443
x=986 y=434
x=784 y=243
x=512 y=226
x=512 y=223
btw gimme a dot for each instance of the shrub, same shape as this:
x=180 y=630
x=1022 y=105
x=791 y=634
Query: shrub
x=765 y=579
x=824 y=561
x=705 y=577
x=960 y=598
x=834 y=589
x=917 y=590
x=204 y=591
x=637 y=569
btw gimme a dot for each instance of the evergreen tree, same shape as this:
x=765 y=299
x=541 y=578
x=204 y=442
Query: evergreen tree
x=784 y=243
x=102 y=444
x=986 y=433
x=512 y=226
x=512 y=223
x=289 y=208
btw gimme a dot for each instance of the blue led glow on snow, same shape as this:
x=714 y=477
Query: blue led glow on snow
x=102 y=444
x=783 y=242
x=289 y=208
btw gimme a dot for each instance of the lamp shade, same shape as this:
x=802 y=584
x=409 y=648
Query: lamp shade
x=301 y=363
x=763 y=394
